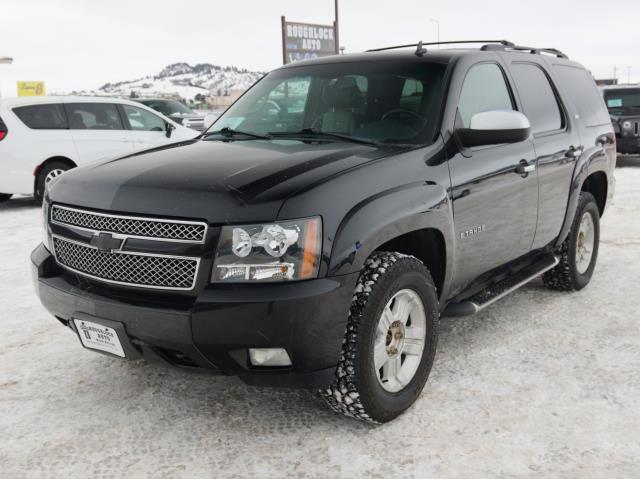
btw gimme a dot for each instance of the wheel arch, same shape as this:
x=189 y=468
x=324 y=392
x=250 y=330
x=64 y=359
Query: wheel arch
x=596 y=184
x=429 y=246
x=38 y=169
x=414 y=219
x=592 y=175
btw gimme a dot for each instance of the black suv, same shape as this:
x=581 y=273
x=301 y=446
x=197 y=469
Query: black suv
x=313 y=236
x=623 y=103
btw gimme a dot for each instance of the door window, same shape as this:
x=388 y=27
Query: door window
x=42 y=117
x=93 y=116
x=143 y=120
x=538 y=97
x=484 y=89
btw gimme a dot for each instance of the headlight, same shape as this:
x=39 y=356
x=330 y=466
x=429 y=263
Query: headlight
x=45 y=226
x=283 y=251
x=626 y=125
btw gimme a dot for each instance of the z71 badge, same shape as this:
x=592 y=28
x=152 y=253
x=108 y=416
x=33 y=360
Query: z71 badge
x=472 y=232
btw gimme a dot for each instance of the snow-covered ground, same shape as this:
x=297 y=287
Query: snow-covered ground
x=541 y=384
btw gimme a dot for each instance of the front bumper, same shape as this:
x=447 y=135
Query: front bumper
x=628 y=145
x=212 y=332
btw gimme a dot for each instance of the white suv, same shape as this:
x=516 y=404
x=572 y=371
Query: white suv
x=41 y=138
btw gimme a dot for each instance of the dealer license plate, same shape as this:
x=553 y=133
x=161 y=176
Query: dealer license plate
x=97 y=336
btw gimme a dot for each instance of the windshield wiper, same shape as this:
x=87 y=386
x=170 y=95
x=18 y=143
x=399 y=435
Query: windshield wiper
x=231 y=133
x=312 y=132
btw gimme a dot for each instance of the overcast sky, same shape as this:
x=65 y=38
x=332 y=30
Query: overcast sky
x=81 y=44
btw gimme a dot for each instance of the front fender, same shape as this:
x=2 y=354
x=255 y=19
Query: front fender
x=387 y=215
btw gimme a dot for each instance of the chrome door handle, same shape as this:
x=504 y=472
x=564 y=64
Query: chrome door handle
x=525 y=168
x=574 y=152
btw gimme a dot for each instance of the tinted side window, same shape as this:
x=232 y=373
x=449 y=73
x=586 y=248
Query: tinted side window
x=538 y=98
x=93 y=116
x=42 y=117
x=142 y=120
x=583 y=92
x=484 y=89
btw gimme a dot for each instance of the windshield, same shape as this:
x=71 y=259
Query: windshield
x=168 y=107
x=622 y=98
x=384 y=101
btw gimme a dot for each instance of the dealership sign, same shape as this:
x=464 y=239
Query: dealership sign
x=31 y=88
x=306 y=40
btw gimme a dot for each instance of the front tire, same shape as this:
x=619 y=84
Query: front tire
x=5 y=197
x=579 y=252
x=390 y=341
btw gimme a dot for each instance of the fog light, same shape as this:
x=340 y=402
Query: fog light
x=269 y=357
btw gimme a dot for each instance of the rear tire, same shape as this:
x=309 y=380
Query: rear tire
x=579 y=252
x=50 y=171
x=390 y=341
x=5 y=197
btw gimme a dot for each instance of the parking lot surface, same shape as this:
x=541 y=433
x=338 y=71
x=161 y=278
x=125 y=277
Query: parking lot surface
x=541 y=384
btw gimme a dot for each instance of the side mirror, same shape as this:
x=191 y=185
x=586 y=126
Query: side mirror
x=169 y=129
x=494 y=128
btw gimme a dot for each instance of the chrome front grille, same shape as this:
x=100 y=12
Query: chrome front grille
x=127 y=268
x=138 y=227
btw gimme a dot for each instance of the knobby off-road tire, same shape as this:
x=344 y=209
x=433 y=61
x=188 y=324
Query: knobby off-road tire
x=359 y=389
x=569 y=275
x=53 y=169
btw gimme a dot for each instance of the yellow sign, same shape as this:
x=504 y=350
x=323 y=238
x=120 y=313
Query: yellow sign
x=31 y=88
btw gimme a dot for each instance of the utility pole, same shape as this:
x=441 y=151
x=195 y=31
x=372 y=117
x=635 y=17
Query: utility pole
x=438 y=29
x=336 y=29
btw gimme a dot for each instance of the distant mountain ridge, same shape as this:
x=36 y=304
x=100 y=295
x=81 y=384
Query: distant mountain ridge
x=183 y=80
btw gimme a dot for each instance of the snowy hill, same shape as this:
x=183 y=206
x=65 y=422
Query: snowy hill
x=183 y=80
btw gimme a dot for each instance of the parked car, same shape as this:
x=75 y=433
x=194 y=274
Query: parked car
x=177 y=111
x=315 y=234
x=623 y=102
x=41 y=138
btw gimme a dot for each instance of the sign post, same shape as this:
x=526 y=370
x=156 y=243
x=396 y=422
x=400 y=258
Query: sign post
x=301 y=41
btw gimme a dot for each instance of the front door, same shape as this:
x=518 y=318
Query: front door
x=495 y=206
x=147 y=129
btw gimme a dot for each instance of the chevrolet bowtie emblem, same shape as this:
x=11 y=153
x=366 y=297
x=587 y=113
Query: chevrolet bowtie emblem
x=106 y=242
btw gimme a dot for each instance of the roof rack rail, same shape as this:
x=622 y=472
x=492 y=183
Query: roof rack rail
x=520 y=48
x=503 y=43
x=489 y=45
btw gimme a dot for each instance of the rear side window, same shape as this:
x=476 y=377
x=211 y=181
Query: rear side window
x=538 y=97
x=484 y=89
x=584 y=94
x=42 y=117
x=93 y=116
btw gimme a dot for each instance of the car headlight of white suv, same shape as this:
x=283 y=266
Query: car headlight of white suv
x=282 y=251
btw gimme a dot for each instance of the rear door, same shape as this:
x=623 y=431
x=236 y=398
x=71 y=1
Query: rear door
x=556 y=141
x=36 y=133
x=495 y=207
x=97 y=130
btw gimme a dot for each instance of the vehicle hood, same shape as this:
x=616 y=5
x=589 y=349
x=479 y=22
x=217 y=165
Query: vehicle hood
x=218 y=181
